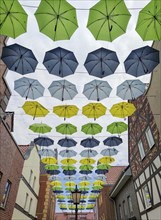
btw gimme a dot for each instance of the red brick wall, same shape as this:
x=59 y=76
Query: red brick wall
x=11 y=164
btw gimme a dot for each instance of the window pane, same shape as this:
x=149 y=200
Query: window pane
x=130 y=205
x=125 y=211
x=6 y=194
x=30 y=178
x=149 y=137
x=120 y=211
x=26 y=200
x=141 y=149
x=147 y=196
x=30 y=205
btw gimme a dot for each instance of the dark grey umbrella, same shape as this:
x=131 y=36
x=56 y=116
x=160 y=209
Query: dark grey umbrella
x=63 y=90
x=112 y=141
x=19 y=59
x=67 y=142
x=43 y=141
x=101 y=62
x=141 y=61
x=60 y=62
x=29 y=88
x=97 y=90
x=90 y=142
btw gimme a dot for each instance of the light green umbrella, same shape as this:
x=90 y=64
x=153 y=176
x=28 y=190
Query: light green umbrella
x=86 y=167
x=51 y=167
x=91 y=128
x=117 y=127
x=13 y=18
x=56 y=19
x=68 y=167
x=103 y=166
x=66 y=128
x=40 y=128
x=149 y=21
x=108 y=19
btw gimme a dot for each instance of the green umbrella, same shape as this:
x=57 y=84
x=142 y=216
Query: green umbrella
x=66 y=128
x=91 y=128
x=69 y=188
x=13 y=18
x=149 y=21
x=103 y=166
x=84 y=188
x=86 y=167
x=117 y=127
x=56 y=19
x=68 y=167
x=51 y=167
x=108 y=19
x=97 y=187
x=40 y=128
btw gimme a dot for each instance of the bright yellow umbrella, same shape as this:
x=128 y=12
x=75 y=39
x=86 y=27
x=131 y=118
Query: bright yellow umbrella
x=87 y=161
x=66 y=111
x=98 y=183
x=106 y=160
x=56 y=183
x=68 y=161
x=49 y=160
x=60 y=196
x=84 y=183
x=94 y=110
x=122 y=109
x=34 y=109
x=70 y=184
x=83 y=196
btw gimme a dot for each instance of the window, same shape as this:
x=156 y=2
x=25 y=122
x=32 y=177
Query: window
x=130 y=205
x=30 y=205
x=6 y=194
x=124 y=209
x=30 y=177
x=141 y=149
x=33 y=185
x=1 y=174
x=26 y=200
x=149 y=137
x=147 y=196
x=120 y=212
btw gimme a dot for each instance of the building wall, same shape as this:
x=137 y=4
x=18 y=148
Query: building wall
x=28 y=186
x=68 y=216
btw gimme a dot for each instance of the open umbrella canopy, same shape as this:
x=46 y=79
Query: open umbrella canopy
x=90 y=142
x=117 y=127
x=60 y=62
x=66 y=128
x=56 y=19
x=142 y=61
x=43 y=141
x=47 y=153
x=53 y=172
x=81 y=207
x=85 y=177
x=109 y=152
x=82 y=189
x=51 y=167
x=69 y=178
x=106 y=160
x=56 y=187
x=91 y=128
x=108 y=19
x=40 y=128
x=97 y=187
x=84 y=183
x=102 y=172
x=67 y=153
x=85 y=172
x=67 y=142
x=98 y=183
x=70 y=184
x=29 y=88
x=103 y=166
x=68 y=167
x=130 y=89
x=60 y=196
x=149 y=22
x=86 y=167
x=19 y=59
x=122 y=109
x=13 y=19
x=88 y=153
x=66 y=111
x=94 y=110
x=68 y=161
x=101 y=62
x=70 y=188
x=56 y=183
x=69 y=172
x=35 y=109
x=87 y=161
x=101 y=177
x=53 y=178
x=97 y=90
x=49 y=160
x=63 y=90
x=112 y=141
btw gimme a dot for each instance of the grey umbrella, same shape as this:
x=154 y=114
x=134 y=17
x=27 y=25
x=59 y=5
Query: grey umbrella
x=54 y=178
x=29 y=88
x=69 y=178
x=109 y=152
x=101 y=177
x=88 y=153
x=19 y=59
x=47 y=153
x=63 y=90
x=67 y=153
x=83 y=178
x=60 y=62
x=101 y=62
x=130 y=89
x=97 y=90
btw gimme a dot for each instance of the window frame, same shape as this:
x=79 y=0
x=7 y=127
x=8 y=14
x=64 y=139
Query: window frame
x=30 y=204
x=141 y=149
x=149 y=137
x=145 y=197
x=130 y=207
x=120 y=212
x=124 y=209
x=26 y=201
x=30 y=177
x=6 y=194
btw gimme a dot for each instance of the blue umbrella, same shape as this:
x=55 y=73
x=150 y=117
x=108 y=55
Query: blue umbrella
x=88 y=153
x=99 y=171
x=84 y=192
x=67 y=142
x=92 y=200
x=85 y=178
x=58 y=191
x=141 y=61
x=130 y=89
x=19 y=59
x=67 y=153
x=60 y=62
x=47 y=153
x=43 y=141
x=69 y=172
x=54 y=178
x=53 y=172
x=112 y=141
x=70 y=201
x=69 y=178
x=82 y=201
x=95 y=191
x=101 y=62
x=85 y=172
x=59 y=200
x=109 y=152
x=90 y=142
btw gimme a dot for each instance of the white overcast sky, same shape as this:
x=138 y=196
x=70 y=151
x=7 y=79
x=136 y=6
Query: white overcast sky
x=81 y=43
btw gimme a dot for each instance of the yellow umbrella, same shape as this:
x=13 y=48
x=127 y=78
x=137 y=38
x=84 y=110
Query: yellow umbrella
x=60 y=196
x=98 y=183
x=49 y=160
x=84 y=183
x=106 y=160
x=34 y=109
x=68 y=161
x=122 y=109
x=70 y=183
x=65 y=111
x=94 y=110
x=87 y=161
x=56 y=183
